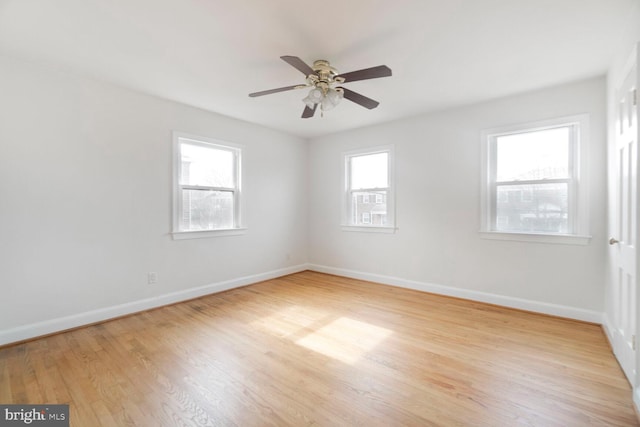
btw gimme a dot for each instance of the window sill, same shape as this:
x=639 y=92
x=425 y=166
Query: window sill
x=182 y=235
x=367 y=229
x=559 y=239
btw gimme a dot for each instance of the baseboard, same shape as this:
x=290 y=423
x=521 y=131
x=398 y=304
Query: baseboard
x=505 y=301
x=34 y=330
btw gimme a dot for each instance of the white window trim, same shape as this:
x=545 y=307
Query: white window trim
x=239 y=227
x=346 y=224
x=578 y=161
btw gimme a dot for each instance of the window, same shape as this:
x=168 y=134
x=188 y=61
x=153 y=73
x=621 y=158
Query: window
x=368 y=178
x=206 y=187
x=532 y=184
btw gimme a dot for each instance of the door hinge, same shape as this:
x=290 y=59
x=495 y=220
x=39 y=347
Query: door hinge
x=635 y=97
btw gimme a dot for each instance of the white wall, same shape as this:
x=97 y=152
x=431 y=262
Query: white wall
x=85 y=190
x=438 y=187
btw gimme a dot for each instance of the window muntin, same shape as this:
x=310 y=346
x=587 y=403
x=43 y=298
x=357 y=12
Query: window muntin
x=206 y=185
x=368 y=186
x=532 y=179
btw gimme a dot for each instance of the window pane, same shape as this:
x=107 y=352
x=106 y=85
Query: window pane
x=540 y=154
x=369 y=171
x=369 y=207
x=206 y=210
x=206 y=166
x=533 y=208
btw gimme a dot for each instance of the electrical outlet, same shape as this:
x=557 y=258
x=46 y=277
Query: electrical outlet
x=152 y=278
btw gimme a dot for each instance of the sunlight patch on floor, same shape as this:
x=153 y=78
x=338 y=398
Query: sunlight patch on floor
x=291 y=320
x=344 y=339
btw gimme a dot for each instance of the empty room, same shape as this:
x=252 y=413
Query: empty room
x=292 y=213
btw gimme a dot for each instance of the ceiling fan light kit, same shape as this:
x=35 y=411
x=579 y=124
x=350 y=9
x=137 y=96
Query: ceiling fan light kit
x=314 y=97
x=324 y=81
x=331 y=99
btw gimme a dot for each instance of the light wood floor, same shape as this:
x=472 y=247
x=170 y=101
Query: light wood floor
x=314 y=349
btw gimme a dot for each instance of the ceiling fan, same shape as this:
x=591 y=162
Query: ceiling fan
x=325 y=82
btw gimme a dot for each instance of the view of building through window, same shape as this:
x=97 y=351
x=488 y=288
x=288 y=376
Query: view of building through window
x=369 y=207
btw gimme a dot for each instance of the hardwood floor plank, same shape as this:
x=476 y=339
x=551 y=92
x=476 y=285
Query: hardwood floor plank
x=316 y=349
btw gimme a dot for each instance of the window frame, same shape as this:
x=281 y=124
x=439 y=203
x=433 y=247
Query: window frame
x=347 y=215
x=577 y=186
x=178 y=138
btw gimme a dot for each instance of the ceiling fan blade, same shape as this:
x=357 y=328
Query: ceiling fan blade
x=270 y=91
x=298 y=64
x=359 y=99
x=367 y=73
x=309 y=112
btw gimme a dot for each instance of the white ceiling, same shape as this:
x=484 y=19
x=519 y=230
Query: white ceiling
x=212 y=53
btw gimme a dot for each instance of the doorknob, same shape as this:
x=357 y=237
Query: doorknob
x=613 y=241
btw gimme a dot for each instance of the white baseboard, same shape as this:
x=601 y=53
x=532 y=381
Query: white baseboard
x=505 y=301
x=34 y=330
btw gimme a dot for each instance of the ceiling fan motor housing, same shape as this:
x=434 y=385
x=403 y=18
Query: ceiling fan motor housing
x=325 y=76
x=324 y=70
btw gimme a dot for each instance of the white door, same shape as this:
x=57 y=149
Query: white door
x=623 y=224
